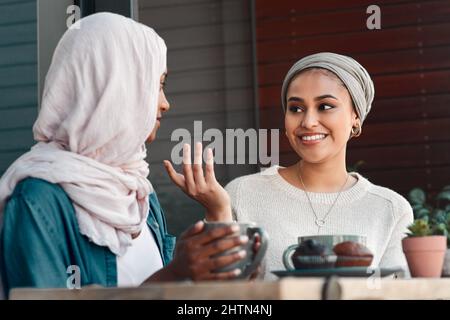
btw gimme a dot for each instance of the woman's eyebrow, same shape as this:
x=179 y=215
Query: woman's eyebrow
x=297 y=99
x=324 y=96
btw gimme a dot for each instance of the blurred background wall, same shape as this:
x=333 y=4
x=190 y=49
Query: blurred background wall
x=406 y=137
x=18 y=78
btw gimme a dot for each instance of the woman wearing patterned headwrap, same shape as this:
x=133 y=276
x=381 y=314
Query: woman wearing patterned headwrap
x=326 y=98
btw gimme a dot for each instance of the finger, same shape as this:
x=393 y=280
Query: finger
x=198 y=170
x=176 y=177
x=186 y=153
x=225 y=260
x=210 y=175
x=187 y=169
x=193 y=230
x=198 y=149
x=216 y=233
x=222 y=245
x=225 y=275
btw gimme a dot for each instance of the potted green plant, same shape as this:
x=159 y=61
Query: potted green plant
x=442 y=216
x=426 y=243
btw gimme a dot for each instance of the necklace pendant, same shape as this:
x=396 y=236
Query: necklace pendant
x=320 y=222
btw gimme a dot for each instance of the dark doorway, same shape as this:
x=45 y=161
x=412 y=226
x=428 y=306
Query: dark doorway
x=88 y=7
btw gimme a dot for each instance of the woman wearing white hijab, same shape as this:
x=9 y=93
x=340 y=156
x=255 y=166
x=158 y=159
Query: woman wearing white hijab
x=80 y=199
x=326 y=98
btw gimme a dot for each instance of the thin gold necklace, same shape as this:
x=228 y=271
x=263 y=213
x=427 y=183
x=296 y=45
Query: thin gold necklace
x=320 y=222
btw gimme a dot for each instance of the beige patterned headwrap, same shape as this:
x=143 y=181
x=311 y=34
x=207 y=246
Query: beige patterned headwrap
x=356 y=79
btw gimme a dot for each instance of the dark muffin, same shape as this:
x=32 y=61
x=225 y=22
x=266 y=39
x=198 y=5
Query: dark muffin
x=352 y=254
x=312 y=255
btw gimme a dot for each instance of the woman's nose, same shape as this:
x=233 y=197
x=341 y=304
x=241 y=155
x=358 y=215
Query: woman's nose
x=310 y=120
x=164 y=105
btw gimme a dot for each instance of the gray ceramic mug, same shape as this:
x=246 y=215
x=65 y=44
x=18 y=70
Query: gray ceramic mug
x=251 y=261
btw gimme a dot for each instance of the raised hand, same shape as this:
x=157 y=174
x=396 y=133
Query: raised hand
x=201 y=187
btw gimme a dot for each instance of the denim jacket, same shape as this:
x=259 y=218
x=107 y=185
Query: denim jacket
x=41 y=246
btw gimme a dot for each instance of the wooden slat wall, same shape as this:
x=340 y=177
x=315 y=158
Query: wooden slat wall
x=18 y=78
x=406 y=137
x=210 y=79
x=18 y=81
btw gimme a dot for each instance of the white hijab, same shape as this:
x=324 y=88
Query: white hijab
x=98 y=107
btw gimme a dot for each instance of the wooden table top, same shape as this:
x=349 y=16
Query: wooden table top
x=284 y=289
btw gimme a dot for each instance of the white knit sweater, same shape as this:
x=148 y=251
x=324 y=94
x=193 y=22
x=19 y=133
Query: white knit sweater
x=283 y=210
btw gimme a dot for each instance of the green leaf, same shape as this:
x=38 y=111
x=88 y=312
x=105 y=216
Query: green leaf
x=419 y=228
x=422 y=213
x=444 y=195
x=439 y=216
x=447 y=208
x=439 y=230
x=417 y=196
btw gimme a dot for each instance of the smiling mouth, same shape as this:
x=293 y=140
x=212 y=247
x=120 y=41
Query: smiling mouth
x=315 y=137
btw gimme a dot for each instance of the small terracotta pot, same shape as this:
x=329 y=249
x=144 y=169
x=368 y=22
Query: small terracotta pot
x=425 y=255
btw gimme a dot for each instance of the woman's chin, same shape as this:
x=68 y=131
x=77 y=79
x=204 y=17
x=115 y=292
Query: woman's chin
x=151 y=138
x=312 y=158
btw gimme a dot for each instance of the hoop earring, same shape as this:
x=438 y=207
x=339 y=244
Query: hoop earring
x=356 y=131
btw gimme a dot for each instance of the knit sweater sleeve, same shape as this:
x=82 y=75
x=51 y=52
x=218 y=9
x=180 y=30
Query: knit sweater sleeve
x=393 y=255
x=233 y=189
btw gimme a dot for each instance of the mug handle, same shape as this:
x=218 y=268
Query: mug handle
x=286 y=257
x=261 y=251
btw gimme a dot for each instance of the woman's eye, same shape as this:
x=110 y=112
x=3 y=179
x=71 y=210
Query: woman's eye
x=162 y=85
x=295 y=109
x=325 y=107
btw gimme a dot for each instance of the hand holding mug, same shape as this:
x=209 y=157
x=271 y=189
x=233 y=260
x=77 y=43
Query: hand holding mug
x=200 y=252
x=255 y=248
